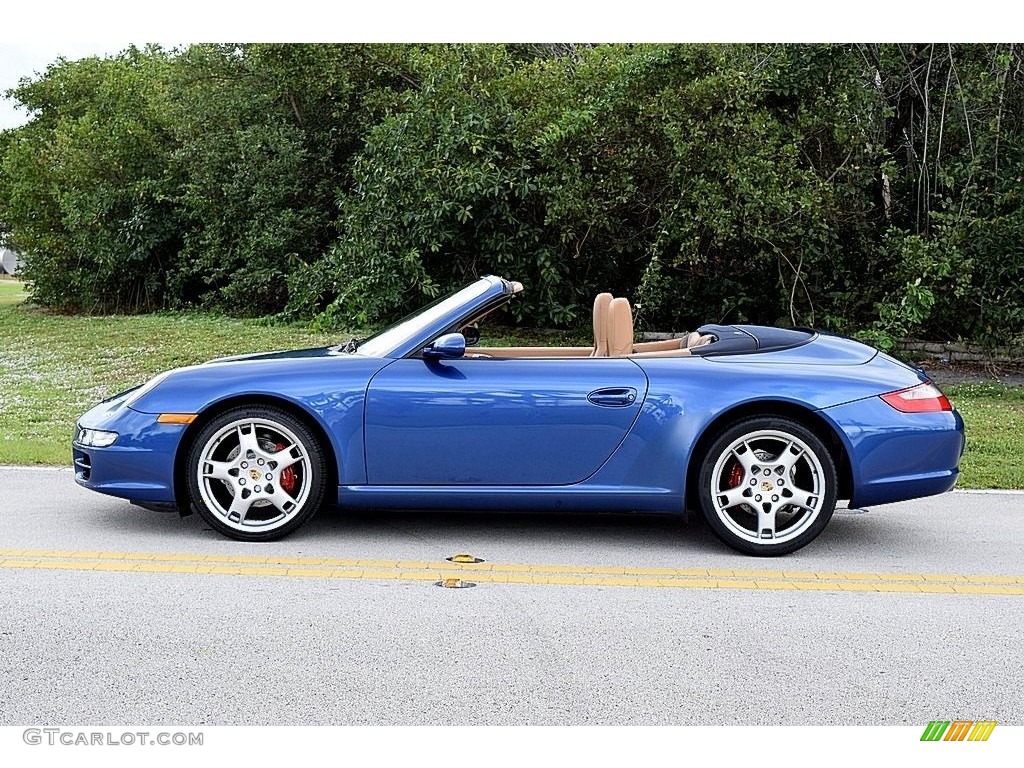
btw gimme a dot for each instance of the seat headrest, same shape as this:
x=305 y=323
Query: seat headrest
x=620 y=336
x=601 y=324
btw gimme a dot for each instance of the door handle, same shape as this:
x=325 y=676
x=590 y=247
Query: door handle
x=613 y=397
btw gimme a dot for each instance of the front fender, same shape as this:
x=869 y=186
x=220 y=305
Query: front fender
x=331 y=391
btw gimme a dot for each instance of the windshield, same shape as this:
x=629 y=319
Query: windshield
x=383 y=342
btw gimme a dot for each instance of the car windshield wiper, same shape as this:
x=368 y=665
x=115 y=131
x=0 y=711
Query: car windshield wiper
x=351 y=345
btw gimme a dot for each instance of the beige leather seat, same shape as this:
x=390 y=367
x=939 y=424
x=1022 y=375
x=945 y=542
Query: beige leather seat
x=668 y=345
x=621 y=342
x=600 y=348
x=601 y=322
x=620 y=331
x=613 y=336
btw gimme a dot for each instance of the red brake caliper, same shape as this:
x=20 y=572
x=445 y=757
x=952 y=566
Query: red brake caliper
x=288 y=475
x=735 y=475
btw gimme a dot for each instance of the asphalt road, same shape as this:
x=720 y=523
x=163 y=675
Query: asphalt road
x=111 y=614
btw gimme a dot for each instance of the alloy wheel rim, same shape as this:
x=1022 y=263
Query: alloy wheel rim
x=768 y=487
x=254 y=474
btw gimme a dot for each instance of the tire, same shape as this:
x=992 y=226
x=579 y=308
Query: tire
x=767 y=486
x=256 y=473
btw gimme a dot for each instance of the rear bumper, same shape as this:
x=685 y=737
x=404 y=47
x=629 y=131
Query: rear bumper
x=898 y=456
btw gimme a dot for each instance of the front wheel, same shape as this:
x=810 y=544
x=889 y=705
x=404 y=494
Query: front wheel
x=256 y=473
x=767 y=486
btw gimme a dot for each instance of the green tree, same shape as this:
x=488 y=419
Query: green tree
x=264 y=138
x=864 y=188
x=86 y=195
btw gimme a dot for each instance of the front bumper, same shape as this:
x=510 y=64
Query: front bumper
x=898 y=456
x=139 y=465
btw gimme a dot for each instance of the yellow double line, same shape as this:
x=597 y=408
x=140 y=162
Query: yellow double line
x=508 y=573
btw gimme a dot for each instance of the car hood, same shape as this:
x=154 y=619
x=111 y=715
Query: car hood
x=288 y=354
x=294 y=375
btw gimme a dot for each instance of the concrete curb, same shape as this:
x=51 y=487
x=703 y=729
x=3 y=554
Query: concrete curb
x=16 y=468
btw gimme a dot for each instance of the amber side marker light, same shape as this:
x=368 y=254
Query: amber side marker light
x=176 y=418
x=922 y=398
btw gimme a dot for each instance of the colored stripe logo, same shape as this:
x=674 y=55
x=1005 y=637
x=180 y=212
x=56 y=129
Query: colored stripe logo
x=958 y=730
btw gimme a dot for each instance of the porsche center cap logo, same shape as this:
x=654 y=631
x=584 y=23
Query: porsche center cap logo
x=766 y=486
x=254 y=474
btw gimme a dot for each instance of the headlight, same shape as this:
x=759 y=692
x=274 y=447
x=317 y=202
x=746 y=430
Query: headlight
x=95 y=438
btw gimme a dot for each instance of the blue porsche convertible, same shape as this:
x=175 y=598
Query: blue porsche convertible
x=760 y=429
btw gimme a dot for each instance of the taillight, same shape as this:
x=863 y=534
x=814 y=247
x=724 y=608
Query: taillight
x=923 y=398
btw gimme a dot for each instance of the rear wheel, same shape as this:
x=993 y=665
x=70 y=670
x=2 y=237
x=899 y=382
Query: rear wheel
x=256 y=473
x=767 y=486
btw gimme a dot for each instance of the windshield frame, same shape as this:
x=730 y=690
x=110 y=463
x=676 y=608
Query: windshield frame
x=419 y=328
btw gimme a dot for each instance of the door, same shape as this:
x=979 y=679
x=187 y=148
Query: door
x=498 y=422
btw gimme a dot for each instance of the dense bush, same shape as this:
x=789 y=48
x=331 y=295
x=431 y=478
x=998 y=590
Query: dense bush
x=83 y=189
x=264 y=139
x=871 y=189
x=201 y=178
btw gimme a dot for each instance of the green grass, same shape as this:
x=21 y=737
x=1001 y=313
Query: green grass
x=54 y=367
x=994 y=423
x=11 y=292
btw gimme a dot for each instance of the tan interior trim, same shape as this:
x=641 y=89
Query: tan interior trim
x=613 y=336
x=659 y=346
x=530 y=351
x=664 y=353
x=572 y=352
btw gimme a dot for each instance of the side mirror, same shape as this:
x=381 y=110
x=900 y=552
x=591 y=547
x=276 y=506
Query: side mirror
x=451 y=346
x=472 y=334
